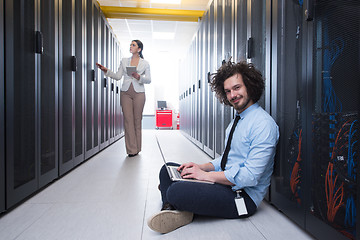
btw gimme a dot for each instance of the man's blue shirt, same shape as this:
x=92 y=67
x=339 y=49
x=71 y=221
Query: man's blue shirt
x=251 y=156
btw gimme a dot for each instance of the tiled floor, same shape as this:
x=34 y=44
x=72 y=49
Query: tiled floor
x=111 y=196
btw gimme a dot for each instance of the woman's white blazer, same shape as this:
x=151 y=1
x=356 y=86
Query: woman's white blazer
x=143 y=69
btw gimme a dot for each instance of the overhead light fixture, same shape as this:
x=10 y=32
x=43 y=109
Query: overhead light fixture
x=163 y=35
x=166 y=1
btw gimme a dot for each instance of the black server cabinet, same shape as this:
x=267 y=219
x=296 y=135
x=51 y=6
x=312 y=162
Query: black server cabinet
x=48 y=93
x=197 y=87
x=240 y=31
x=288 y=184
x=111 y=93
x=71 y=85
x=219 y=108
x=31 y=103
x=92 y=85
x=2 y=114
x=21 y=108
x=209 y=145
x=117 y=117
x=80 y=78
x=104 y=96
x=227 y=51
x=204 y=84
x=333 y=149
x=258 y=49
x=316 y=104
x=193 y=78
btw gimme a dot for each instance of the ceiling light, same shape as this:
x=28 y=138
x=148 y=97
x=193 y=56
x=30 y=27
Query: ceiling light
x=163 y=35
x=166 y=1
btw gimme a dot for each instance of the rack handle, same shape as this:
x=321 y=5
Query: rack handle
x=74 y=64
x=250 y=47
x=309 y=10
x=39 y=42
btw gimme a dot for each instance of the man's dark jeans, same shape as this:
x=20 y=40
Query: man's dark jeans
x=214 y=200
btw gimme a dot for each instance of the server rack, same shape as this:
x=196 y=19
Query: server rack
x=240 y=11
x=197 y=88
x=2 y=123
x=204 y=85
x=112 y=99
x=105 y=60
x=80 y=79
x=209 y=145
x=192 y=96
x=333 y=152
x=118 y=119
x=308 y=52
x=31 y=136
x=44 y=111
x=71 y=88
x=48 y=93
x=259 y=27
x=227 y=53
x=219 y=108
x=315 y=178
x=22 y=180
x=92 y=81
x=288 y=184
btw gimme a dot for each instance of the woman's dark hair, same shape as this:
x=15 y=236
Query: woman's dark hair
x=252 y=79
x=140 y=45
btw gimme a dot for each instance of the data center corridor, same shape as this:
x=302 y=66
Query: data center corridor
x=111 y=196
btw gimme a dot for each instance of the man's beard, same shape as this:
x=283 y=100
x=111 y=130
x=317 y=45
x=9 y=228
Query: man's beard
x=241 y=107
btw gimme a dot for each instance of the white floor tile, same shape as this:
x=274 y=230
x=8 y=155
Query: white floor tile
x=111 y=196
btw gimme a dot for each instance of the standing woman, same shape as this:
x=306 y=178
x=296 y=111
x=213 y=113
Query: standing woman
x=132 y=96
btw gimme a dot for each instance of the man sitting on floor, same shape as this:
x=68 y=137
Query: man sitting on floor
x=242 y=174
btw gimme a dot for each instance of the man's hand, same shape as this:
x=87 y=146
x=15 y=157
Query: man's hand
x=194 y=171
x=203 y=172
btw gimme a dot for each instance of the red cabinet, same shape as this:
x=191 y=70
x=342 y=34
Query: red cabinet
x=163 y=119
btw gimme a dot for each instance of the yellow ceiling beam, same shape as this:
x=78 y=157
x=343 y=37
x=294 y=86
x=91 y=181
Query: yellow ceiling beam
x=152 y=14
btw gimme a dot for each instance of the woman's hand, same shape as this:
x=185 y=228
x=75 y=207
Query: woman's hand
x=136 y=75
x=102 y=68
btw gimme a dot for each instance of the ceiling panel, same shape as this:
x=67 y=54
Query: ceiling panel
x=129 y=29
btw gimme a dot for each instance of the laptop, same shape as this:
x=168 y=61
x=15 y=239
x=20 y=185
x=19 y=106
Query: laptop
x=174 y=174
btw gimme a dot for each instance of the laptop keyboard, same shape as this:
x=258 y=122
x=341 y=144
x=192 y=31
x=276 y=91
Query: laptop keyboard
x=176 y=173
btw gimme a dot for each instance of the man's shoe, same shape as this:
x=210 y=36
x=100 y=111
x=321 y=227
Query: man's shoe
x=133 y=155
x=167 y=206
x=169 y=220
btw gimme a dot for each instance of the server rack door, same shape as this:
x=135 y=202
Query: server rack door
x=227 y=43
x=117 y=98
x=2 y=114
x=334 y=155
x=259 y=47
x=196 y=89
x=111 y=95
x=49 y=93
x=21 y=95
x=80 y=20
x=92 y=81
x=118 y=111
x=287 y=185
x=97 y=86
x=219 y=108
x=210 y=144
x=204 y=83
x=104 y=84
x=240 y=30
x=67 y=85
x=257 y=38
x=193 y=72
